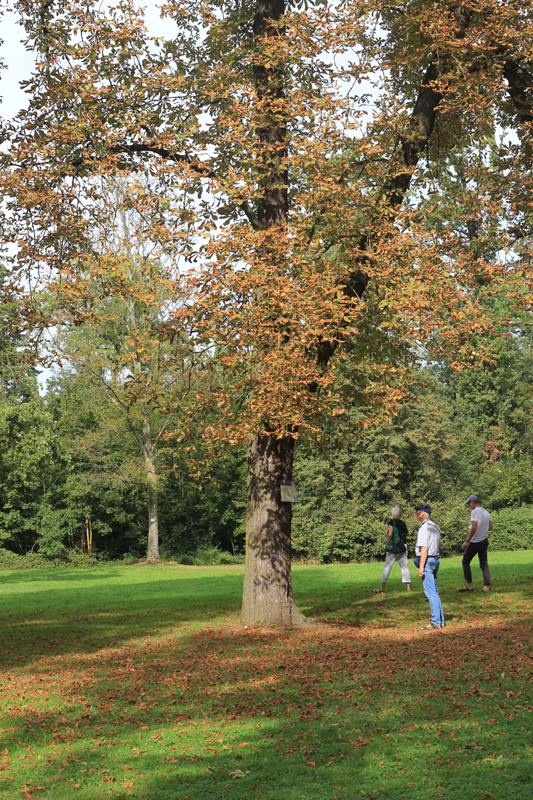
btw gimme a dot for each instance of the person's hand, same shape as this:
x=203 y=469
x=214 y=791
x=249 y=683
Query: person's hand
x=464 y=544
x=421 y=572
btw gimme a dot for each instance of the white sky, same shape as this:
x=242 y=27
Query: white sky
x=20 y=63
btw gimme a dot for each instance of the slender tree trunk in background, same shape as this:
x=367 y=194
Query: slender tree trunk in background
x=148 y=450
x=153 y=530
x=89 y=535
x=267 y=594
x=152 y=554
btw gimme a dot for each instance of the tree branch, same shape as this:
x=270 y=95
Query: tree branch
x=519 y=80
x=421 y=124
x=178 y=158
x=161 y=430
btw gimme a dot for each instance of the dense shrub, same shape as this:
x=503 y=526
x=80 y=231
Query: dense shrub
x=352 y=532
x=209 y=557
x=513 y=529
x=10 y=560
x=187 y=560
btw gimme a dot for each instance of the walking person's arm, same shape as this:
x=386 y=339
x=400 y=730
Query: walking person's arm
x=423 y=559
x=471 y=532
x=389 y=537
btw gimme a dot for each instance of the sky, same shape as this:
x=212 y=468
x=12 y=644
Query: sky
x=20 y=62
x=19 y=66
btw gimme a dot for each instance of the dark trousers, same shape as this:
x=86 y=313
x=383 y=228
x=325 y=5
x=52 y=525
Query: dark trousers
x=479 y=549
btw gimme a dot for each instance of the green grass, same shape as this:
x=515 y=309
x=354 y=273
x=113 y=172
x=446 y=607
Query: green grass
x=139 y=682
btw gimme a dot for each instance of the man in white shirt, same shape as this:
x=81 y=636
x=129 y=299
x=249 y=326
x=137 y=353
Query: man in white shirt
x=477 y=542
x=427 y=552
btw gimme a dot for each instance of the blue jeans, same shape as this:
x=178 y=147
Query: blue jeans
x=429 y=582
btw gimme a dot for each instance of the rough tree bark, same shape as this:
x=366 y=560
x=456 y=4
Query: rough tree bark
x=267 y=593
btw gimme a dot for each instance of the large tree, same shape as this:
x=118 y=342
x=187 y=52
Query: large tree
x=292 y=136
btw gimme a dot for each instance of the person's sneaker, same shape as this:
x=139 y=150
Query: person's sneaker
x=431 y=627
x=378 y=591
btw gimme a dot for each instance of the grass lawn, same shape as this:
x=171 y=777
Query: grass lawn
x=138 y=682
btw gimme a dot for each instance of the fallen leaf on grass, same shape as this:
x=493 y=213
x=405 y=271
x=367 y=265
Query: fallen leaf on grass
x=238 y=773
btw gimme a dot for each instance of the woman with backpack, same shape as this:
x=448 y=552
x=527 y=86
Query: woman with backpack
x=396 y=550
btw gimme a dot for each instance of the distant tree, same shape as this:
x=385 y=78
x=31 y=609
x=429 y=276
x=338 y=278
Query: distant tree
x=18 y=376
x=492 y=407
x=32 y=464
x=347 y=493
x=212 y=512
x=112 y=340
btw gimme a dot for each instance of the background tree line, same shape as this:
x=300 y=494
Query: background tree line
x=72 y=477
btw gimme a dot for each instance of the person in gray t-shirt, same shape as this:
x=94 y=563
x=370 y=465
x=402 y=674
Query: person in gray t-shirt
x=476 y=543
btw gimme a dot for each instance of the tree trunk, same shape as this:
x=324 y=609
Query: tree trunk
x=152 y=554
x=89 y=535
x=153 y=530
x=267 y=594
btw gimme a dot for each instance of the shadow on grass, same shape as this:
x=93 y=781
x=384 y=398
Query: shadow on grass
x=294 y=713
x=128 y=606
x=57 y=575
